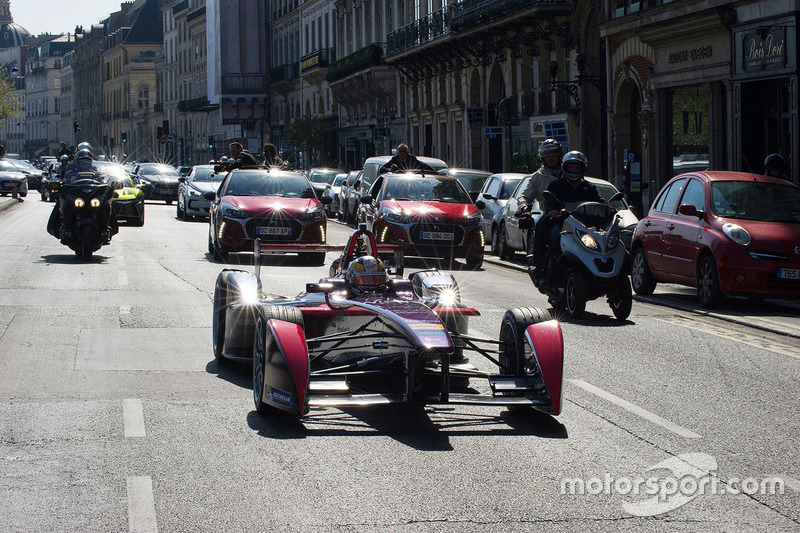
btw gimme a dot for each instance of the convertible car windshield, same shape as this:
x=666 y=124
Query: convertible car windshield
x=262 y=184
x=426 y=189
x=754 y=200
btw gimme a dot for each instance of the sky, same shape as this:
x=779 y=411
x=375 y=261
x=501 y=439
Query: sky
x=60 y=16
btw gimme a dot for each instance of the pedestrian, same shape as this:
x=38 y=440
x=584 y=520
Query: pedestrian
x=271 y=158
x=2 y=151
x=65 y=151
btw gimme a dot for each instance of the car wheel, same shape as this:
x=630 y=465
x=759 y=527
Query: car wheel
x=474 y=262
x=513 y=348
x=495 y=242
x=218 y=320
x=641 y=277
x=169 y=202
x=574 y=293
x=210 y=243
x=180 y=213
x=503 y=251
x=313 y=258
x=708 y=291
x=287 y=314
x=621 y=301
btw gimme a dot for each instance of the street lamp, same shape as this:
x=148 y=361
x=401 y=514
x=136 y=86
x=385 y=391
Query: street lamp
x=573 y=87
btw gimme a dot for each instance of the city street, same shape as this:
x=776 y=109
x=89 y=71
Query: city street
x=115 y=416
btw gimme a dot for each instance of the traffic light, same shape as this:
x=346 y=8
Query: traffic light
x=210 y=142
x=124 y=136
x=76 y=127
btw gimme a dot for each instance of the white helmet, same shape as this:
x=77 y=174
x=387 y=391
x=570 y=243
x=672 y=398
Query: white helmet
x=366 y=273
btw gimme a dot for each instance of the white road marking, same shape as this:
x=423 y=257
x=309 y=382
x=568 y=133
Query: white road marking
x=133 y=418
x=124 y=309
x=123 y=278
x=635 y=409
x=751 y=340
x=791 y=483
x=141 y=505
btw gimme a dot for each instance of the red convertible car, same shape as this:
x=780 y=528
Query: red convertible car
x=726 y=233
x=275 y=206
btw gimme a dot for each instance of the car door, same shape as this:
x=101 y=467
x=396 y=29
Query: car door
x=370 y=210
x=683 y=234
x=653 y=226
x=489 y=193
x=515 y=236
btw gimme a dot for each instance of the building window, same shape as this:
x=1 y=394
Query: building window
x=144 y=98
x=690 y=133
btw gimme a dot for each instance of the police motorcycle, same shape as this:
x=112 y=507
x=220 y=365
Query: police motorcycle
x=82 y=219
x=588 y=261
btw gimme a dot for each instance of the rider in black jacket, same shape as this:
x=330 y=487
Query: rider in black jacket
x=240 y=157
x=571 y=188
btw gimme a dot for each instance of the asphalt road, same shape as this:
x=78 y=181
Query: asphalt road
x=115 y=416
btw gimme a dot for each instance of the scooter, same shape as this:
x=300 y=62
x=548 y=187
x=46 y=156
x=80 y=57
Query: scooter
x=588 y=261
x=82 y=219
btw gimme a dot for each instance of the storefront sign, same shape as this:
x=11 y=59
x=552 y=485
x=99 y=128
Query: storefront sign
x=695 y=54
x=764 y=49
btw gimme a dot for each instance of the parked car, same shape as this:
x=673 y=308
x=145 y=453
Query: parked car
x=348 y=197
x=33 y=175
x=725 y=233
x=191 y=188
x=432 y=215
x=472 y=179
x=11 y=179
x=128 y=201
x=334 y=189
x=495 y=193
x=320 y=178
x=184 y=170
x=157 y=180
x=276 y=206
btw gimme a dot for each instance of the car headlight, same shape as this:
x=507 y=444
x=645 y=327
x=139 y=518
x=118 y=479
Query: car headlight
x=736 y=233
x=233 y=212
x=473 y=220
x=397 y=217
x=194 y=192
x=314 y=213
x=588 y=240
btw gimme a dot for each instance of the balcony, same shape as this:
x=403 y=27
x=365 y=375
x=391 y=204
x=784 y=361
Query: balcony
x=420 y=32
x=287 y=72
x=199 y=12
x=363 y=59
x=244 y=84
x=196 y=104
x=622 y=8
x=471 y=14
x=317 y=59
x=180 y=6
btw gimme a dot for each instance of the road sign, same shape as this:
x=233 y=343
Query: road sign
x=493 y=132
x=171 y=139
x=163 y=139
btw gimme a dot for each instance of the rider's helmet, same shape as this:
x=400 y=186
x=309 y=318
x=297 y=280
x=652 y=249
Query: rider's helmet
x=223 y=159
x=572 y=158
x=550 y=147
x=83 y=154
x=84 y=146
x=64 y=159
x=774 y=164
x=366 y=273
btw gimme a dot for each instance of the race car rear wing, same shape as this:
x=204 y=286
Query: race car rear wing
x=260 y=249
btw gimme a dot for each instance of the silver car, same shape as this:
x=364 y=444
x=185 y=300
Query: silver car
x=495 y=193
x=334 y=189
x=191 y=188
x=12 y=180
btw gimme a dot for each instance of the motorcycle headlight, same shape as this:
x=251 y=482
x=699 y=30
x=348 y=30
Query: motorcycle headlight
x=79 y=203
x=588 y=241
x=397 y=217
x=314 y=213
x=94 y=202
x=736 y=233
x=233 y=212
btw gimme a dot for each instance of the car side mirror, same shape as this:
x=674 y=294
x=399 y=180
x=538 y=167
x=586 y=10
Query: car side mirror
x=357 y=184
x=325 y=199
x=480 y=204
x=210 y=196
x=489 y=196
x=365 y=199
x=182 y=179
x=690 y=211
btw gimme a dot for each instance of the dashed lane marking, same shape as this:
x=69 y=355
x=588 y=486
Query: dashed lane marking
x=133 y=418
x=141 y=505
x=635 y=409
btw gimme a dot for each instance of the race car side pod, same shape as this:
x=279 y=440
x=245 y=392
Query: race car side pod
x=547 y=344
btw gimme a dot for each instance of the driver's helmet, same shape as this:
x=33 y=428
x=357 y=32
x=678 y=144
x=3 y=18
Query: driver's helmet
x=574 y=157
x=774 y=162
x=83 y=154
x=550 y=147
x=366 y=273
x=84 y=146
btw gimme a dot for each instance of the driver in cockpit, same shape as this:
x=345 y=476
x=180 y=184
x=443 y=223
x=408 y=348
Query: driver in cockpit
x=366 y=274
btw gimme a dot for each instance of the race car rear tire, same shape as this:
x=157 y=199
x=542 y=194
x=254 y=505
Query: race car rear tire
x=513 y=346
x=279 y=312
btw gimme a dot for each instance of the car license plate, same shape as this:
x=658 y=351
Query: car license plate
x=436 y=236
x=789 y=273
x=273 y=230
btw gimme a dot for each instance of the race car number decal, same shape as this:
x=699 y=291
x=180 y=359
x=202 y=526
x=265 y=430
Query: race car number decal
x=436 y=236
x=278 y=396
x=273 y=230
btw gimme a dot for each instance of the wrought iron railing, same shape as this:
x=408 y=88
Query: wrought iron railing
x=470 y=14
x=369 y=56
x=244 y=84
x=420 y=32
x=287 y=72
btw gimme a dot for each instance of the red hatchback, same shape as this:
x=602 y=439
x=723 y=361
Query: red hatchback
x=275 y=206
x=722 y=232
x=432 y=214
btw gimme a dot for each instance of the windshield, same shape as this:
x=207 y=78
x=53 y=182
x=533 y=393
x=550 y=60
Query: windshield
x=205 y=174
x=508 y=187
x=426 y=189
x=607 y=190
x=321 y=176
x=339 y=180
x=161 y=170
x=471 y=180
x=265 y=184
x=84 y=170
x=754 y=200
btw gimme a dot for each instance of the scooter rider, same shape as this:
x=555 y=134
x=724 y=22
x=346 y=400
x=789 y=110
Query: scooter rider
x=573 y=188
x=550 y=153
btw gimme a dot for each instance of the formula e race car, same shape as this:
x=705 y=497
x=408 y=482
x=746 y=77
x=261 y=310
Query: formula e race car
x=361 y=337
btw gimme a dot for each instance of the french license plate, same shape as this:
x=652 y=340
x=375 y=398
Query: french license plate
x=8 y=184
x=436 y=236
x=789 y=273
x=273 y=230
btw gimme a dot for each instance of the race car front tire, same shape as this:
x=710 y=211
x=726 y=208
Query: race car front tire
x=513 y=346
x=267 y=312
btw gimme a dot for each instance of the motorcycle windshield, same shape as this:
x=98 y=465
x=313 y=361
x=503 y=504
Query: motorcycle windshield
x=594 y=214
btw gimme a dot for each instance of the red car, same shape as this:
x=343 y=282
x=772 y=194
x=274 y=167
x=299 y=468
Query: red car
x=726 y=233
x=433 y=215
x=276 y=206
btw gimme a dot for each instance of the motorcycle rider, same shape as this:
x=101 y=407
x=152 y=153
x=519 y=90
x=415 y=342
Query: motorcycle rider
x=550 y=152
x=573 y=188
x=65 y=151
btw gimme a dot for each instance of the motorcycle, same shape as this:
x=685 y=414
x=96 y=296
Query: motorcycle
x=589 y=261
x=82 y=219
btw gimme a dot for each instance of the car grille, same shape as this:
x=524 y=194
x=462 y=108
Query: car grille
x=417 y=229
x=297 y=228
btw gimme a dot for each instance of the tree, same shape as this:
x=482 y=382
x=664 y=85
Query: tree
x=10 y=105
x=310 y=135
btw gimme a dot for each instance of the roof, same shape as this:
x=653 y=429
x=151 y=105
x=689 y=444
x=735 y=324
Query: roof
x=144 y=21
